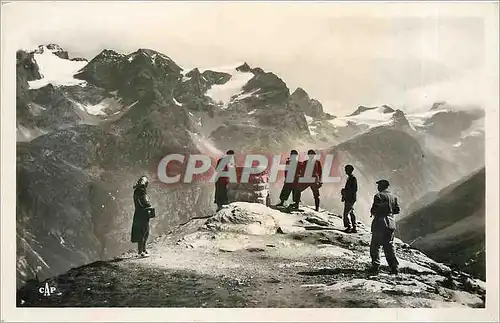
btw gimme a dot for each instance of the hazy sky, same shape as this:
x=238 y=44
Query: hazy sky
x=344 y=54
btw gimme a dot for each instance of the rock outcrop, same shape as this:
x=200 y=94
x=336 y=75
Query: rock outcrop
x=255 y=190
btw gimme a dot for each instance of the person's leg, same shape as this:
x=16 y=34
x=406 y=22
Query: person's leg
x=285 y=193
x=139 y=247
x=352 y=217
x=315 y=190
x=216 y=197
x=144 y=242
x=375 y=250
x=220 y=195
x=297 y=189
x=390 y=254
x=224 y=194
x=345 y=216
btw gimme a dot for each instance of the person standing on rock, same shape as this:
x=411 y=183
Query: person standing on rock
x=290 y=185
x=221 y=197
x=316 y=176
x=385 y=206
x=349 y=198
x=143 y=212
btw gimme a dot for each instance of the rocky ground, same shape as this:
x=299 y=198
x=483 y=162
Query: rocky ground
x=249 y=255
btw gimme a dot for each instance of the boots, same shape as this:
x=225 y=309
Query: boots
x=294 y=206
x=316 y=204
x=373 y=270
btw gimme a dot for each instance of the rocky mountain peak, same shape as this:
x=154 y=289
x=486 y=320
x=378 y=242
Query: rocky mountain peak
x=27 y=68
x=195 y=72
x=54 y=49
x=300 y=94
x=383 y=109
x=154 y=59
x=214 y=77
x=257 y=70
x=109 y=53
x=270 y=87
x=387 y=109
x=359 y=110
x=399 y=119
x=244 y=68
x=438 y=105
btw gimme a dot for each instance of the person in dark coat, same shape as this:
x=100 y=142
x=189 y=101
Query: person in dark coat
x=385 y=206
x=316 y=174
x=221 y=197
x=349 y=193
x=289 y=186
x=143 y=212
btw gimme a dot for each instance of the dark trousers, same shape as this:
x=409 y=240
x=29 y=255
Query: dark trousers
x=289 y=188
x=384 y=238
x=141 y=245
x=348 y=216
x=221 y=197
x=315 y=190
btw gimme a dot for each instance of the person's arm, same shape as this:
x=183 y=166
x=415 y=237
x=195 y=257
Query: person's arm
x=320 y=171
x=395 y=207
x=143 y=199
x=375 y=205
x=287 y=164
x=354 y=185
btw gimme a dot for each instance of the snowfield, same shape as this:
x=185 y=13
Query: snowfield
x=371 y=118
x=224 y=92
x=55 y=70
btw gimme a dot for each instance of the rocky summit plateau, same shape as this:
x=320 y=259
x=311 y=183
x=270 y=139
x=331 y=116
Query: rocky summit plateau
x=249 y=255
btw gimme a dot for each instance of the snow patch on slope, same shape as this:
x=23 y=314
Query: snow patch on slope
x=371 y=118
x=177 y=103
x=224 y=92
x=312 y=125
x=28 y=134
x=205 y=145
x=55 y=70
x=419 y=119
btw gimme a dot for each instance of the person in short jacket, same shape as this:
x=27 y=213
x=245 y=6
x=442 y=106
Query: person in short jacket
x=316 y=175
x=385 y=206
x=290 y=186
x=143 y=212
x=349 y=193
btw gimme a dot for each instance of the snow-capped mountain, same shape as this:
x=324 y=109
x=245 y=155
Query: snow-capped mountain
x=55 y=67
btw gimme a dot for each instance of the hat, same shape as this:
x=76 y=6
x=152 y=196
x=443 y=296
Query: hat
x=294 y=152
x=311 y=152
x=383 y=182
x=142 y=181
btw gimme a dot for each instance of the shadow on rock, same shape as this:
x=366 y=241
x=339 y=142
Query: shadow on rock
x=329 y=271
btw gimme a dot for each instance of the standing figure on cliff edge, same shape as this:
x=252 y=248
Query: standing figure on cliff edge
x=316 y=177
x=290 y=185
x=349 y=198
x=221 y=197
x=385 y=206
x=143 y=212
